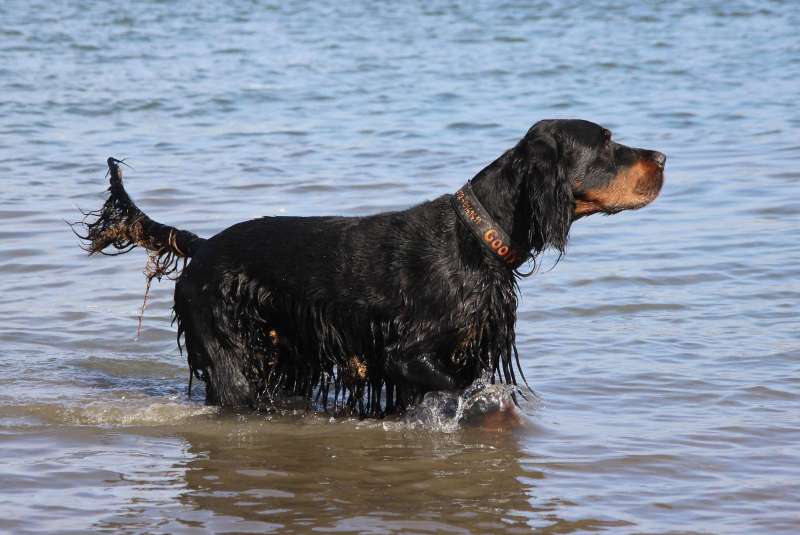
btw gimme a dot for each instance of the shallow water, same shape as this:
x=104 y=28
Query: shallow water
x=663 y=348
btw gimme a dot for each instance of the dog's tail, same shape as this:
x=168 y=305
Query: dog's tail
x=120 y=225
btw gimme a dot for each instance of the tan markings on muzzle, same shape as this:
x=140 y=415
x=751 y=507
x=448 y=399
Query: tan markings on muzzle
x=632 y=187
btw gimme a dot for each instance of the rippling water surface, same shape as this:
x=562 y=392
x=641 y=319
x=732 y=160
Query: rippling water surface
x=664 y=348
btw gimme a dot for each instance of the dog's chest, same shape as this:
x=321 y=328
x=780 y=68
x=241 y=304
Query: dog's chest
x=485 y=308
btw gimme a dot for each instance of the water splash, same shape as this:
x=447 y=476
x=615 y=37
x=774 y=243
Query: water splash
x=481 y=404
x=134 y=413
x=107 y=413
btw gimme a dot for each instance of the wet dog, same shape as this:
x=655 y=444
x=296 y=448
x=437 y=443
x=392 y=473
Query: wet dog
x=376 y=311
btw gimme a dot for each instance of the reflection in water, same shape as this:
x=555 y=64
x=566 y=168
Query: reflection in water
x=292 y=473
x=247 y=472
x=358 y=476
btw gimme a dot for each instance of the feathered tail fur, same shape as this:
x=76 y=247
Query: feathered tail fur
x=121 y=225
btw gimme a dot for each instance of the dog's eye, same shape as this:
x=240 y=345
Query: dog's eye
x=606 y=135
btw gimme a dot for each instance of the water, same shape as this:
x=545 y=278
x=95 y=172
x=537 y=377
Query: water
x=663 y=348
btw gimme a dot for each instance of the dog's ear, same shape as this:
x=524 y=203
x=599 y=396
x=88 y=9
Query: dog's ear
x=546 y=190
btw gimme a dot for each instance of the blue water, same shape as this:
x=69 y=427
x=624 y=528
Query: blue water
x=664 y=346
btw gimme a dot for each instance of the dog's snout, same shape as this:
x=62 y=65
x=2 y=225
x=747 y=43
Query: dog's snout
x=659 y=157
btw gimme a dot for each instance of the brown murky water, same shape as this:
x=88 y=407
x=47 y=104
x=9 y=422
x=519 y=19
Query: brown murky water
x=664 y=348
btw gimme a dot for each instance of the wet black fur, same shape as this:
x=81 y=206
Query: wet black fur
x=369 y=313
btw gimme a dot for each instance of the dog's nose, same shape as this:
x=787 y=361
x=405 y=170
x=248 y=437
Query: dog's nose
x=659 y=157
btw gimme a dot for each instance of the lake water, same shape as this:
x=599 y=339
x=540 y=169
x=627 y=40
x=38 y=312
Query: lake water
x=664 y=347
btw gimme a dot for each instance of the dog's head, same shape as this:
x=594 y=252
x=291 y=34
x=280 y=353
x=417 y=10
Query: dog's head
x=568 y=169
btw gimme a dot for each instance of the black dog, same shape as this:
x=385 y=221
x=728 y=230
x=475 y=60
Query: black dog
x=382 y=308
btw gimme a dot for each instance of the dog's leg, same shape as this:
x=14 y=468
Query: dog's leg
x=218 y=355
x=422 y=370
